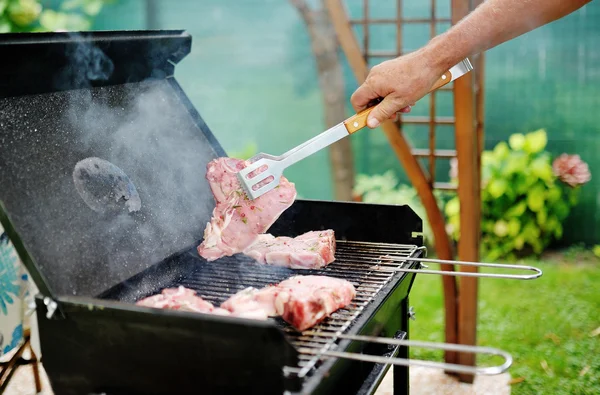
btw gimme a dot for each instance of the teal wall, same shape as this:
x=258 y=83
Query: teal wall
x=252 y=76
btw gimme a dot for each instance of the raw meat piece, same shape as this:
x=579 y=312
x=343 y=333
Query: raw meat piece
x=220 y=311
x=253 y=314
x=252 y=300
x=311 y=250
x=185 y=299
x=237 y=221
x=180 y=298
x=304 y=301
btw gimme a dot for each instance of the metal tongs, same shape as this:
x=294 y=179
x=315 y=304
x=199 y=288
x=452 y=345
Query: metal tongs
x=264 y=171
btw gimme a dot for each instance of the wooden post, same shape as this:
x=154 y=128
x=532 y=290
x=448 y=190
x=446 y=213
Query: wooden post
x=467 y=148
x=479 y=66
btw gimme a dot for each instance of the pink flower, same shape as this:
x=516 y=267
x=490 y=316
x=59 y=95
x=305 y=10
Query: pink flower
x=571 y=170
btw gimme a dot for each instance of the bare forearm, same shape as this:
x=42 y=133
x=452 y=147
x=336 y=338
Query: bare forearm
x=495 y=22
x=406 y=79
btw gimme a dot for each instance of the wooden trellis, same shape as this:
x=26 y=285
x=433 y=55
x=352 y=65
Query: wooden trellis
x=460 y=302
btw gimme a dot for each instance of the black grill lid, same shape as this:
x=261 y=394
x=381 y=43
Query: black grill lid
x=102 y=156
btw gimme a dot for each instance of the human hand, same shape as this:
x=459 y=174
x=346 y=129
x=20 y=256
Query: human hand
x=400 y=82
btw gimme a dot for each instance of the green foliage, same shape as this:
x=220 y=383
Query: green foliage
x=523 y=203
x=38 y=16
x=384 y=189
x=596 y=250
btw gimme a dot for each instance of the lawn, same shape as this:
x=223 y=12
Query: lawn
x=550 y=325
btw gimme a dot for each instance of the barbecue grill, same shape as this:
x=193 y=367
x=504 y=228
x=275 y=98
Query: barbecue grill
x=102 y=161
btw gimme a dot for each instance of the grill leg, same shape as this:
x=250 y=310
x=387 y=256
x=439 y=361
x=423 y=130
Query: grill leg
x=401 y=376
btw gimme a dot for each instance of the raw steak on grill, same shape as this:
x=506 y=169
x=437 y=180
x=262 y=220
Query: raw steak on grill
x=237 y=221
x=185 y=299
x=304 y=301
x=311 y=250
x=179 y=298
x=250 y=300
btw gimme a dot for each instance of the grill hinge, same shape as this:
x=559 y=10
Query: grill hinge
x=411 y=313
x=51 y=307
x=414 y=235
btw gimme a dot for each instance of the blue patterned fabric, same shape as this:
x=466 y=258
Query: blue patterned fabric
x=17 y=335
x=9 y=277
x=14 y=284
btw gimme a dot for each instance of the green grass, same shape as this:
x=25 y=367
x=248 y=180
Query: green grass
x=546 y=324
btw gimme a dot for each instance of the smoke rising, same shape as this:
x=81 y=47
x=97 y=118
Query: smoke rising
x=86 y=63
x=153 y=141
x=141 y=129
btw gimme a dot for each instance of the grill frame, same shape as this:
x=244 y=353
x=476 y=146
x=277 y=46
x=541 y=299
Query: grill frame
x=68 y=323
x=216 y=281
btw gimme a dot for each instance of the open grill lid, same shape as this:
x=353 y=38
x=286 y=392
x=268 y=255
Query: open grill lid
x=102 y=156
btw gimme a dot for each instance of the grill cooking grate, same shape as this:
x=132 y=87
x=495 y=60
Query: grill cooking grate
x=366 y=265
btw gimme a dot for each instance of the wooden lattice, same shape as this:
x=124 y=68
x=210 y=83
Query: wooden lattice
x=433 y=120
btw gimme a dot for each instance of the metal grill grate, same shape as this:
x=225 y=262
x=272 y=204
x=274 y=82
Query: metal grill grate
x=366 y=265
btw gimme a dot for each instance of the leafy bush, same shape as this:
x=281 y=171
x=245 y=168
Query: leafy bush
x=384 y=189
x=36 y=16
x=525 y=199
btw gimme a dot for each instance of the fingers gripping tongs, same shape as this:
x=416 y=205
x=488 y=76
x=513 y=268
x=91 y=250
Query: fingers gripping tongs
x=264 y=171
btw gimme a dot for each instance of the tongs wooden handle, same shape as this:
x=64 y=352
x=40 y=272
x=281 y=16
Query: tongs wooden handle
x=359 y=120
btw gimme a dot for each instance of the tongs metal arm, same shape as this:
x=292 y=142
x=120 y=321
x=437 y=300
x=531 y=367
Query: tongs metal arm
x=537 y=272
x=490 y=370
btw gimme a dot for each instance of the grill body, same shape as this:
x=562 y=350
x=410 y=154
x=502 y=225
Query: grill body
x=107 y=344
x=99 y=348
x=90 y=268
